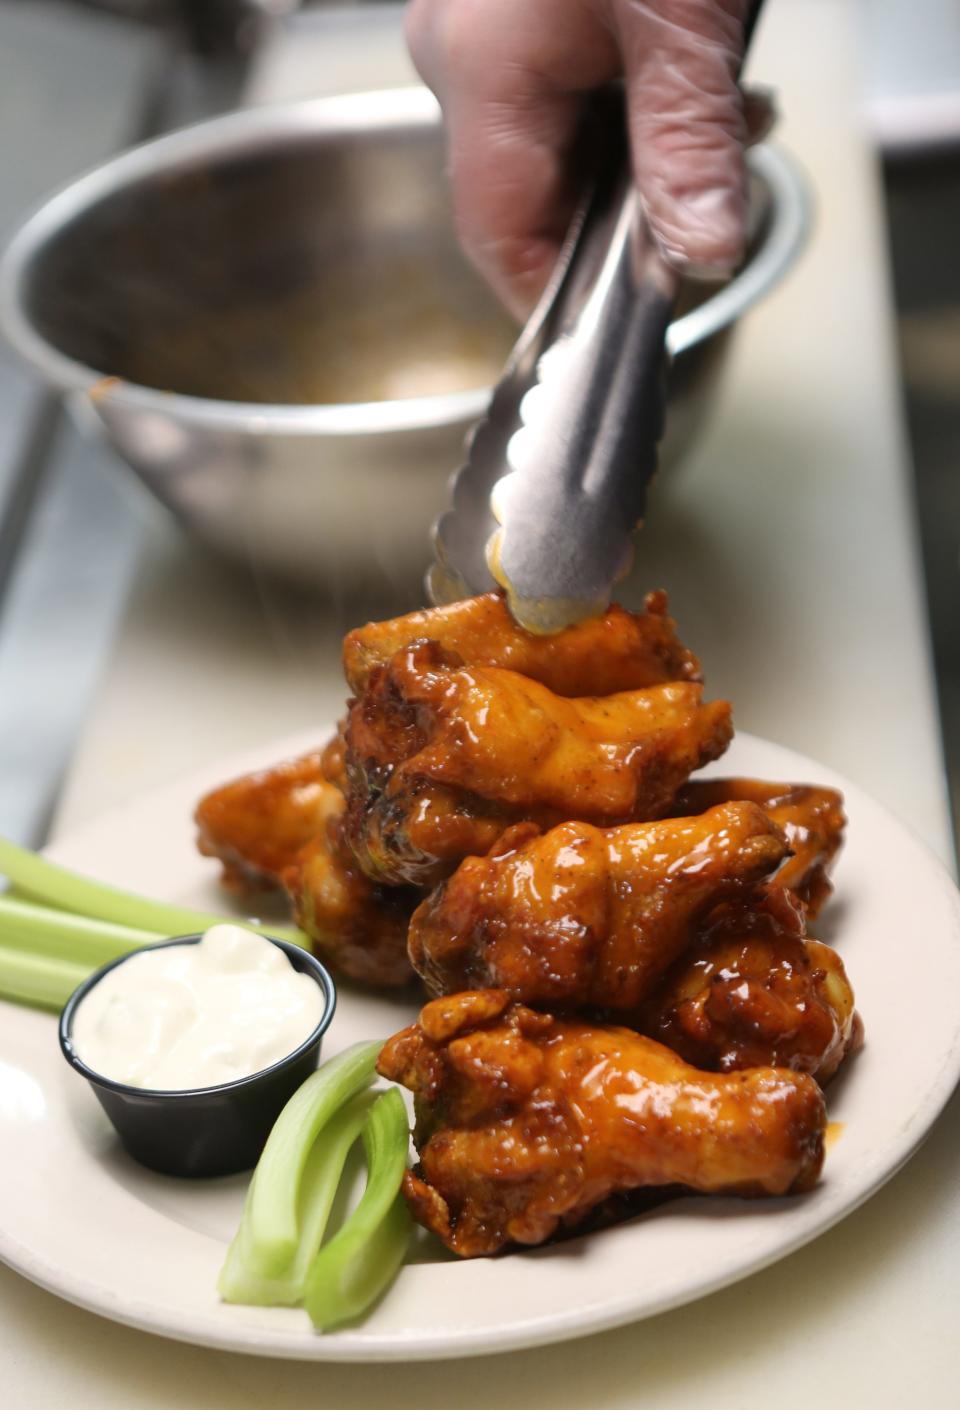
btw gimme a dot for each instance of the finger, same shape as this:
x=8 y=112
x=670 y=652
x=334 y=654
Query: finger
x=687 y=126
x=511 y=85
x=512 y=194
x=423 y=28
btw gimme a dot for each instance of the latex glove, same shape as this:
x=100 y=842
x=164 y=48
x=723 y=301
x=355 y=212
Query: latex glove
x=512 y=76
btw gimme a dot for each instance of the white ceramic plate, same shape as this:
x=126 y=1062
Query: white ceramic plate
x=78 y=1217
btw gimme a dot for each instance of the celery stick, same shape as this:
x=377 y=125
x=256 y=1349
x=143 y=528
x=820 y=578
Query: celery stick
x=358 y=1263
x=343 y=1295
x=77 y=939
x=272 y=1223
x=365 y=1273
x=54 y=885
x=40 y=980
x=318 y=1187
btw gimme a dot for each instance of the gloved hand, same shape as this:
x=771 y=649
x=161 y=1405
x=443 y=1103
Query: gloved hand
x=512 y=76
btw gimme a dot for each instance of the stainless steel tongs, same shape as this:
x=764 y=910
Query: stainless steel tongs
x=556 y=474
x=556 y=477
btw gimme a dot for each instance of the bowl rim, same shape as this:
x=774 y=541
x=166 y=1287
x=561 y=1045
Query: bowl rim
x=318 y=973
x=254 y=129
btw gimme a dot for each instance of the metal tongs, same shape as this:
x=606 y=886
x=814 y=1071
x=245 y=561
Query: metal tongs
x=556 y=475
x=555 y=482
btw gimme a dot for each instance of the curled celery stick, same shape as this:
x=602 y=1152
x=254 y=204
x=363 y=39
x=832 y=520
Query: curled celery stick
x=271 y=1215
x=371 y=1269
x=358 y=1263
x=76 y=939
x=40 y=980
x=56 y=886
x=318 y=1187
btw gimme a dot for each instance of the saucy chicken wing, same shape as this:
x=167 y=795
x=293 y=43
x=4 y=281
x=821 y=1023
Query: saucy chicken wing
x=525 y=1122
x=811 y=817
x=357 y=927
x=583 y=918
x=442 y=757
x=281 y=827
x=618 y=651
x=257 y=824
x=755 y=990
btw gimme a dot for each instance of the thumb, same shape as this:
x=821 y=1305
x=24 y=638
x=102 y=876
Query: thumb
x=687 y=126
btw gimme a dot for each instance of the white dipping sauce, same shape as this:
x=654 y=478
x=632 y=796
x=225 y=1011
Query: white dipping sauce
x=197 y=1015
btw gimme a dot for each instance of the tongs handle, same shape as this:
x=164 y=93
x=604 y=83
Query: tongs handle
x=463 y=533
x=586 y=447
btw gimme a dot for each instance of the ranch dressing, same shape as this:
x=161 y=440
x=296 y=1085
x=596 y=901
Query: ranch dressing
x=197 y=1015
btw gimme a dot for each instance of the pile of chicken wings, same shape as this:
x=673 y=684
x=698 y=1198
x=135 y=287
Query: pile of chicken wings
x=623 y=993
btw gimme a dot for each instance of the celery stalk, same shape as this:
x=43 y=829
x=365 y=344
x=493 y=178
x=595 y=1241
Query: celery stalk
x=273 y=1231
x=54 y=885
x=40 y=980
x=76 y=939
x=343 y=1295
x=45 y=954
x=358 y=1263
x=318 y=1187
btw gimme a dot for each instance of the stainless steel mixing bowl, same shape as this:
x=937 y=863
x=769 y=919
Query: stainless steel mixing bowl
x=269 y=318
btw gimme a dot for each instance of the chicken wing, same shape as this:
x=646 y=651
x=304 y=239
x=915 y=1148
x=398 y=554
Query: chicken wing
x=811 y=817
x=257 y=824
x=618 y=651
x=583 y=918
x=754 y=991
x=441 y=758
x=281 y=827
x=525 y=1122
x=357 y=927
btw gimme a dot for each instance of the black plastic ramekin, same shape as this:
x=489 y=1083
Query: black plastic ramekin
x=202 y=1131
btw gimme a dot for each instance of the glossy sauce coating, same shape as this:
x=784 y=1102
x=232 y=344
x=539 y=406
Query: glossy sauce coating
x=811 y=817
x=359 y=928
x=525 y=1122
x=442 y=757
x=588 y=918
x=257 y=824
x=755 y=990
x=616 y=651
x=281 y=827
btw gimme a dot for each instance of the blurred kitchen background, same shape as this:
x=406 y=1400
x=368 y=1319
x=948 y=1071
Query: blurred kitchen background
x=80 y=81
